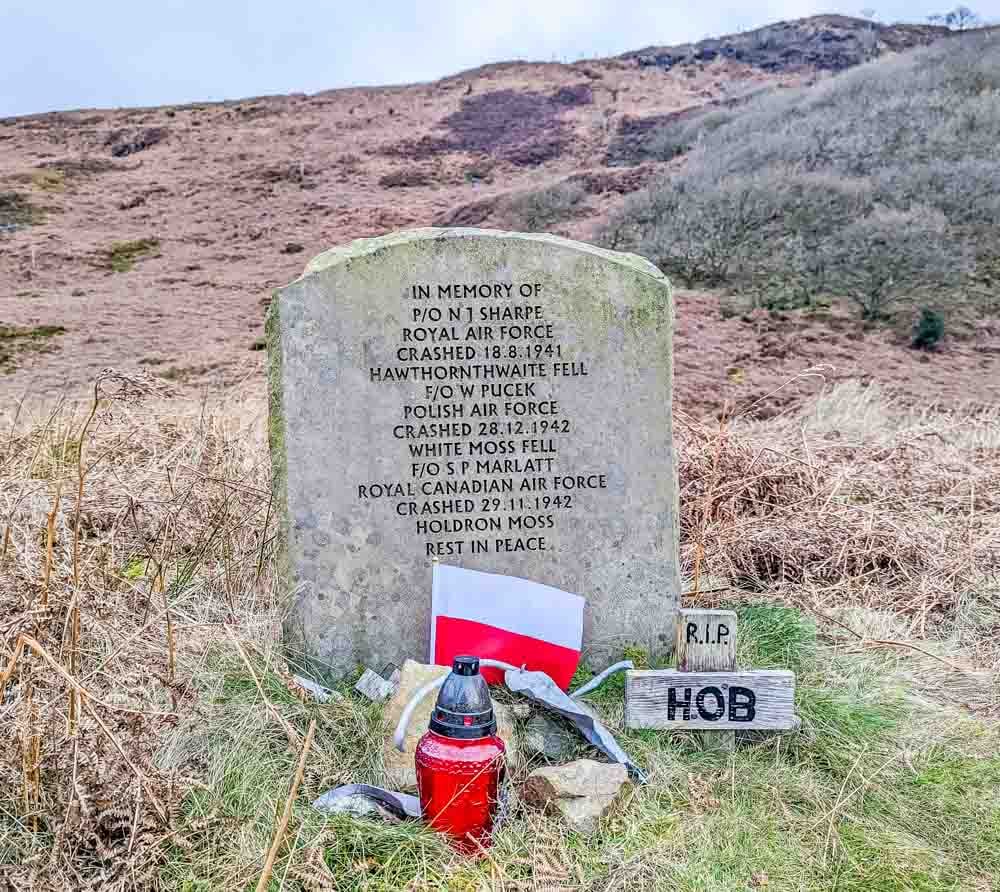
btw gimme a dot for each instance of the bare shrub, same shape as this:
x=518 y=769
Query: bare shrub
x=762 y=232
x=967 y=191
x=406 y=178
x=696 y=228
x=937 y=102
x=961 y=18
x=539 y=209
x=892 y=255
x=681 y=136
x=850 y=488
x=796 y=195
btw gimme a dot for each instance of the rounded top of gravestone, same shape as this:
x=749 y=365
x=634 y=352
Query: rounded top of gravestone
x=365 y=247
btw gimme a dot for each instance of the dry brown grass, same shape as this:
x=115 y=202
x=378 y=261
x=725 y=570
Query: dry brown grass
x=109 y=623
x=900 y=510
x=882 y=522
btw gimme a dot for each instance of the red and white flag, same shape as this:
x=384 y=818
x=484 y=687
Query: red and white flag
x=505 y=618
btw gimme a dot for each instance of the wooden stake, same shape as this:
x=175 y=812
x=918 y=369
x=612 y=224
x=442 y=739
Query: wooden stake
x=706 y=642
x=75 y=700
x=31 y=755
x=286 y=815
x=159 y=585
x=80 y=477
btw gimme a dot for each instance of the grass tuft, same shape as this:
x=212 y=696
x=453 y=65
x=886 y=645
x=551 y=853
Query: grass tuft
x=772 y=637
x=17 y=341
x=49 y=180
x=16 y=211
x=122 y=256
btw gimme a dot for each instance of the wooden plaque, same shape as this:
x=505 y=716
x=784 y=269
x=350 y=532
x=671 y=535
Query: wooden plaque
x=737 y=701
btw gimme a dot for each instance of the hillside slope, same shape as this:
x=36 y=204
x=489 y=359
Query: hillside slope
x=151 y=238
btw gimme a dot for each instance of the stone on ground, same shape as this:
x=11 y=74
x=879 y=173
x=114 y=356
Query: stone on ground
x=549 y=738
x=581 y=792
x=374 y=686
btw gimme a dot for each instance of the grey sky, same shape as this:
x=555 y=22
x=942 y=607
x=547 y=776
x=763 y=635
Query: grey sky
x=63 y=54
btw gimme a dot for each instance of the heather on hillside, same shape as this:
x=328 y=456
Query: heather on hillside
x=878 y=185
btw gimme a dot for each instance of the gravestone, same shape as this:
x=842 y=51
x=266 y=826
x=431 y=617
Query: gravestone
x=492 y=400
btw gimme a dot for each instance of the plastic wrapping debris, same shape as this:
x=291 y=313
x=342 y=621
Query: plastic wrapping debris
x=542 y=689
x=364 y=801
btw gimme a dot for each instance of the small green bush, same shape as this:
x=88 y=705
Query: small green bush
x=929 y=330
x=15 y=340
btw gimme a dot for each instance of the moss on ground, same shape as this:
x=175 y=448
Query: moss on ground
x=16 y=341
x=49 y=180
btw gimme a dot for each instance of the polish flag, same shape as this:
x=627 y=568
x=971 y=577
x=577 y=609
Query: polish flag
x=521 y=622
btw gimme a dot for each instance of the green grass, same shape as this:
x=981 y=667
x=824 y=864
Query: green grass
x=869 y=795
x=15 y=341
x=122 y=256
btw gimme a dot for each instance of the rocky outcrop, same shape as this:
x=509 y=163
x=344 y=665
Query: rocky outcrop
x=825 y=42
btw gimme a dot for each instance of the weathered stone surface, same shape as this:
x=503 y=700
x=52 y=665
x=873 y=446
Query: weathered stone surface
x=558 y=465
x=374 y=686
x=581 y=792
x=547 y=737
x=400 y=773
x=399 y=767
